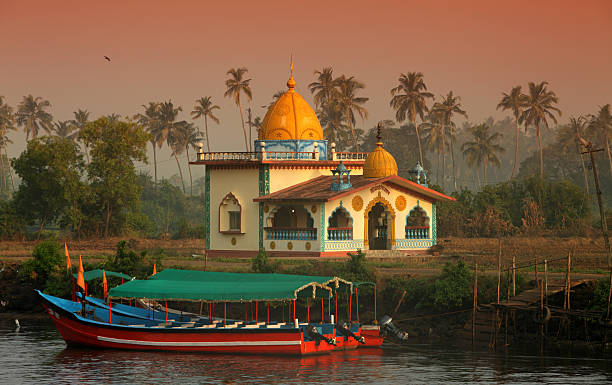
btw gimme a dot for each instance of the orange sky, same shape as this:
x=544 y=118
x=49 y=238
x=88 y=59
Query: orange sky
x=181 y=50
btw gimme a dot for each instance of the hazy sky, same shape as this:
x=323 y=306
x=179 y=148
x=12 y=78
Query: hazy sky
x=181 y=50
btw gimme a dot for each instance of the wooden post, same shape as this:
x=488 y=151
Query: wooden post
x=498 y=270
x=399 y=303
x=546 y=281
x=375 y=318
x=475 y=302
x=514 y=276
x=536 y=272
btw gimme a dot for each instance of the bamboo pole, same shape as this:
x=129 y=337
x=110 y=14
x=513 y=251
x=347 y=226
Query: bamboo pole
x=475 y=302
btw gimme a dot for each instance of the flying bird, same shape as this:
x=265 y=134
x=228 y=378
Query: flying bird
x=107 y=58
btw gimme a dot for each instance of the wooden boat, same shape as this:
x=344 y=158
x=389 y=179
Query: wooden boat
x=101 y=329
x=97 y=323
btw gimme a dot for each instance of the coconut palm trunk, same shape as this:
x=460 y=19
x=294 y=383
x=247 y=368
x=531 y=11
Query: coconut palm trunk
x=246 y=142
x=190 y=176
x=443 y=156
x=452 y=151
x=9 y=168
x=608 y=150
x=348 y=119
x=86 y=152
x=416 y=128
x=3 y=181
x=516 y=146
x=484 y=173
x=180 y=170
x=42 y=226
x=540 y=146
x=206 y=129
x=154 y=161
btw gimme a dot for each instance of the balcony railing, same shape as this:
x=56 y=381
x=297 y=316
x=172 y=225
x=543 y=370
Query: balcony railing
x=417 y=232
x=350 y=155
x=291 y=233
x=339 y=233
x=290 y=155
x=227 y=155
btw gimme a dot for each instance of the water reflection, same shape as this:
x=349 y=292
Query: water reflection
x=36 y=354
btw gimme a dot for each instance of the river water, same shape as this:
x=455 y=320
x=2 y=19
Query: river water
x=36 y=354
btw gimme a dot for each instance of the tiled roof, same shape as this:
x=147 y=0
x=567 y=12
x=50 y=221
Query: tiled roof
x=318 y=189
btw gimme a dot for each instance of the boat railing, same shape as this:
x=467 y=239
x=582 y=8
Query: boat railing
x=339 y=233
x=291 y=233
x=417 y=232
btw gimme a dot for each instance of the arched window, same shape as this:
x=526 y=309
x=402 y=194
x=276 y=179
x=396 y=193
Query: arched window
x=417 y=224
x=340 y=225
x=230 y=215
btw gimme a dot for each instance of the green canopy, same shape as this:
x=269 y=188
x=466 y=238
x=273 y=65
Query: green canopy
x=93 y=274
x=222 y=291
x=214 y=276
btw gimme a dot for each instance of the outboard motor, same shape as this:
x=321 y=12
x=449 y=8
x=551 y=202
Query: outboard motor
x=312 y=332
x=345 y=329
x=389 y=328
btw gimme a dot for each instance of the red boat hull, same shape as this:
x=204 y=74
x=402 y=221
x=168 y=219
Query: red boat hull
x=216 y=340
x=371 y=334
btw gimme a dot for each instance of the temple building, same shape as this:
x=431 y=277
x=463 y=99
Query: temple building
x=295 y=195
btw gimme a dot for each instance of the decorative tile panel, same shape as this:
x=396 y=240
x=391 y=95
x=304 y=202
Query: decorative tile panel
x=350 y=245
x=407 y=244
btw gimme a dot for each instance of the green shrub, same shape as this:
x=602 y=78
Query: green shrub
x=262 y=264
x=46 y=259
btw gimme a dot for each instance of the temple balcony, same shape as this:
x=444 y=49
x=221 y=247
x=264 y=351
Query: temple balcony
x=339 y=233
x=291 y=233
x=417 y=232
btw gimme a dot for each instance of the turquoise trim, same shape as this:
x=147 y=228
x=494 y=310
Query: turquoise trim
x=323 y=227
x=207 y=205
x=264 y=189
x=434 y=225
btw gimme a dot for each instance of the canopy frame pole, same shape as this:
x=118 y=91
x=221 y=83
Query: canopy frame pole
x=322 y=312
x=210 y=319
x=149 y=310
x=256 y=311
x=350 y=308
x=336 y=316
x=329 y=309
x=357 y=304
x=308 y=309
x=294 y=309
x=110 y=312
x=283 y=311
x=166 y=321
x=375 y=317
x=246 y=316
x=268 y=309
x=224 y=314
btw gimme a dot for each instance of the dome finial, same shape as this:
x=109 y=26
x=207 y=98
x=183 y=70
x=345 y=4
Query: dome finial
x=291 y=82
x=378 y=134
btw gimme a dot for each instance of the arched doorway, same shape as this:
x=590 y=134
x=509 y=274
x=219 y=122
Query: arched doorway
x=379 y=225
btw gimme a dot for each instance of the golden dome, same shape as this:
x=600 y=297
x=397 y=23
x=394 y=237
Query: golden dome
x=290 y=118
x=379 y=163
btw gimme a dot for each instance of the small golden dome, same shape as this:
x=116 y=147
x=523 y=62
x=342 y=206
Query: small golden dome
x=290 y=118
x=379 y=163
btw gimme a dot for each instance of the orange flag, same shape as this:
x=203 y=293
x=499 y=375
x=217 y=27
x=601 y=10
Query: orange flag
x=154 y=269
x=80 y=278
x=104 y=283
x=68 y=264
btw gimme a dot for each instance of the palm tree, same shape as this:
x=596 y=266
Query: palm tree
x=205 y=107
x=331 y=117
x=65 y=130
x=482 y=149
x=191 y=137
x=600 y=127
x=568 y=138
x=31 y=115
x=351 y=103
x=449 y=106
x=432 y=134
x=539 y=106
x=514 y=101
x=324 y=89
x=7 y=123
x=237 y=85
x=409 y=100
x=176 y=140
x=150 y=121
x=81 y=118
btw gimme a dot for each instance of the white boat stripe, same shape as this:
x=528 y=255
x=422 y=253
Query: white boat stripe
x=194 y=343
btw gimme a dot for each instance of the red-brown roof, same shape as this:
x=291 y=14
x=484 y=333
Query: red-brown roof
x=319 y=189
